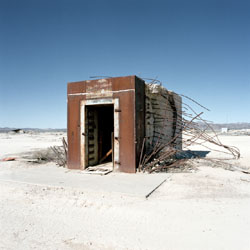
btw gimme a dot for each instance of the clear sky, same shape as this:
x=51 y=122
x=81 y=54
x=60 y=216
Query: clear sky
x=200 y=48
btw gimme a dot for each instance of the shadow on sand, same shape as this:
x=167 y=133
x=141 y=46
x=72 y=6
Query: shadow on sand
x=189 y=154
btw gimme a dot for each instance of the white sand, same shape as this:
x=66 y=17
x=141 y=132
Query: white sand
x=208 y=209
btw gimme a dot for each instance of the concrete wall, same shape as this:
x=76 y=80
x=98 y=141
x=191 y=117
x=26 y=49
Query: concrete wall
x=163 y=118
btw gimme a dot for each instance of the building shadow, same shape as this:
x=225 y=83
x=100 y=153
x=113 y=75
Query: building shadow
x=190 y=154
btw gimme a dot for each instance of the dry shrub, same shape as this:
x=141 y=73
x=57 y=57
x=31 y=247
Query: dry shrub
x=56 y=154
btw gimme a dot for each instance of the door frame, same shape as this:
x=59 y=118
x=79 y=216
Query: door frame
x=116 y=153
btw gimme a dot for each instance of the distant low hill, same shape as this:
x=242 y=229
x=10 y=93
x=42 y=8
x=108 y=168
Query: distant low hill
x=233 y=126
x=215 y=126
x=6 y=129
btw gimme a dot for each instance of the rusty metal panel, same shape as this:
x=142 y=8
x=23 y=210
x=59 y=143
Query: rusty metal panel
x=77 y=87
x=123 y=83
x=73 y=133
x=127 y=132
x=127 y=122
x=73 y=120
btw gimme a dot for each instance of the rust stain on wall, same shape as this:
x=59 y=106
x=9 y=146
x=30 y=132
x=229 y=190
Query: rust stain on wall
x=94 y=90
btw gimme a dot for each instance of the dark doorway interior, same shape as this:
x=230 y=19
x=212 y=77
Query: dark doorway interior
x=99 y=128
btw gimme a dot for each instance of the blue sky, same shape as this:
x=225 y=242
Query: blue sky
x=197 y=48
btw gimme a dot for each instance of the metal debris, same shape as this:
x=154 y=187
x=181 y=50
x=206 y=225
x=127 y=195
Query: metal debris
x=8 y=159
x=61 y=153
x=164 y=156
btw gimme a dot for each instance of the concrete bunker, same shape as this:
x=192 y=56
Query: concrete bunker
x=108 y=120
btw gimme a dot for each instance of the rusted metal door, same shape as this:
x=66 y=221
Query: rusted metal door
x=91 y=124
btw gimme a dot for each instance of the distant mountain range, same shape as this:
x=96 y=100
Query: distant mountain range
x=233 y=126
x=7 y=129
x=215 y=126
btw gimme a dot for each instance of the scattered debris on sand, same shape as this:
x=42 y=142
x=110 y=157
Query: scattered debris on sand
x=17 y=131
x=57 y=154
x=61 y=153
x=8 y=159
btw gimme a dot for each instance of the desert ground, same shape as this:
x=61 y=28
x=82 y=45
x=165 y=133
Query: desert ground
x=44 y=206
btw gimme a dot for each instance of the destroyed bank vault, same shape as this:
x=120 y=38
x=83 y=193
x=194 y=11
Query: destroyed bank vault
x=108 y=120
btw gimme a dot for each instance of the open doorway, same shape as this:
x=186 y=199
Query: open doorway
x=99 y=134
